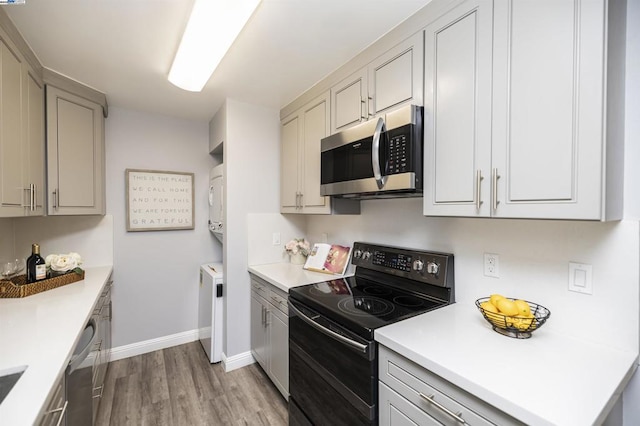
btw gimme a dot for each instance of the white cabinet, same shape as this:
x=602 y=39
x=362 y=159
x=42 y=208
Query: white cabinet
x=21 y=136
x=270 y=332
x=412 y=395
x=391 y=80
x=75 y=154
x=301 y=134
x=516 y=116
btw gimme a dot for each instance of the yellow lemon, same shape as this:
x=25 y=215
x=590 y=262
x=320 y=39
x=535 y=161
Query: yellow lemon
x=494 y=298
x=507 y=307
x=523 y=308
x=488 y=307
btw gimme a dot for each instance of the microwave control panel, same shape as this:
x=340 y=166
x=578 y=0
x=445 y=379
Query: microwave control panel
x=399 y=155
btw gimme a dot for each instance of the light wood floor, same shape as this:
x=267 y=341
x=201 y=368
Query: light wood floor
x=178 y=386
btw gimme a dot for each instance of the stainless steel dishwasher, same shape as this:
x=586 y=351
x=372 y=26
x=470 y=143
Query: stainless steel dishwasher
x=79 y=377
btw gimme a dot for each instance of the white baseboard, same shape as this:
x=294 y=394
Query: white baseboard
x=237 y=361
x=139 y=348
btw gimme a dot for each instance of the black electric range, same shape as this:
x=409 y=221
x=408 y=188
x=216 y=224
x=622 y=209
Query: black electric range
x=331 y=329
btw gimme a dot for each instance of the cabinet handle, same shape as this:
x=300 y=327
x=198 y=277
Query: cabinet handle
x=363 y=113
x=262 y=313
x=431 y=400
x=32 y=198
x=479 y=179
x=494 y=178
x=266 y=317
x=370 y=106
x=99 y=388
x=55 y=199
x=301 y=195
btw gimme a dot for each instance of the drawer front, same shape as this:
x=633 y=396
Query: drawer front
x=436 y=396
x=279 y=299
x=260 y=287
x=397 y=411
x=55 y=412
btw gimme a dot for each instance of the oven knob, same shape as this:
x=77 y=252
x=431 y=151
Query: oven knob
x=366 y=255
x=357 y=254
x=433 y=268
x=418 y=265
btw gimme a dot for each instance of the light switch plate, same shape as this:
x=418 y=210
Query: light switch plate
x=580 y=279
x=275 y=239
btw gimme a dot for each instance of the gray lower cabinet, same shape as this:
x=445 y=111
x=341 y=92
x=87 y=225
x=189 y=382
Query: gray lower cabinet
x=412 y=395
x=102 y=313
x=56 y=409
x=270 y=332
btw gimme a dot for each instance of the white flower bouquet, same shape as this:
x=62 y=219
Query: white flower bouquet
x=298 y=245
x=59 y=264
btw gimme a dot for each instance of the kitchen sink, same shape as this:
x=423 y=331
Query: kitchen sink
x=8 y=379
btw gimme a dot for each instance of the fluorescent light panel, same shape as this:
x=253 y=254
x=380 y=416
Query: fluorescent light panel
x=212 y=28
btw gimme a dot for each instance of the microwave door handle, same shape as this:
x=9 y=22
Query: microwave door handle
x=375 y=154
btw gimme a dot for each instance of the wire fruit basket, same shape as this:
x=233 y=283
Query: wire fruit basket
x=519 y=327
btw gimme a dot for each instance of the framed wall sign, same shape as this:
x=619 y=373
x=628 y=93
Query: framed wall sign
x=159 y=200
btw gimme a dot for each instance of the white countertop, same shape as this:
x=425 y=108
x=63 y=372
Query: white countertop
x=41 y=331
x=287 y=275
x=548 y=379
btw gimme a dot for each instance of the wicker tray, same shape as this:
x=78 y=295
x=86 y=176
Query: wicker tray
x=16 y=287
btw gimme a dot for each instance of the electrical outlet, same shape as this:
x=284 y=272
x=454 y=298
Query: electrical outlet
x=275 y=239
x=492 y=265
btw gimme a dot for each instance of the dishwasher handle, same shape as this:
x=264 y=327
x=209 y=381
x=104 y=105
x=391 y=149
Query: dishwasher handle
x=78 y=359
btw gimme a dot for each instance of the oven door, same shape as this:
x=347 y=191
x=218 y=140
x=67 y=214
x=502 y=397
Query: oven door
x=332 y=372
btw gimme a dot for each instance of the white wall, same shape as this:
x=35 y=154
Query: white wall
x=90 y=236
x=156 y=273
x=6 y=239
x=252 y=173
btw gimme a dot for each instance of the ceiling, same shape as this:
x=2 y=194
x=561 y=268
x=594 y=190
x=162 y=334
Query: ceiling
x=124 y=48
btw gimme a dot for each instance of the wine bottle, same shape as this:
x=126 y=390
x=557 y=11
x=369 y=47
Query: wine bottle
x=36 y=267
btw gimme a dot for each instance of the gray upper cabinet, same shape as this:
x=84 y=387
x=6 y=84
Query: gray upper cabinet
x=34 y=161
x=75 y=154
x=391 y=80
x=301 y=133
x=528 y=130
x=21 y=135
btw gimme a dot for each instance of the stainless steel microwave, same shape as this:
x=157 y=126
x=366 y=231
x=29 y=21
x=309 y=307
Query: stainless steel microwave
x=380 y=158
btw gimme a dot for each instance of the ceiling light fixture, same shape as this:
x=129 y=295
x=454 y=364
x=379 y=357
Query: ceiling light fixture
x=212 y=28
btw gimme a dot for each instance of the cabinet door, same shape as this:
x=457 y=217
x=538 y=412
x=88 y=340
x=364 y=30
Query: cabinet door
x=290 y=159
x=396 y=77
x=279 y=350
x=259 y=330
x=548 y=108
x=75 y=148
x=11 y=141
x=348 y=101
x=315 y=127
x=34 y=161
x=457 y=115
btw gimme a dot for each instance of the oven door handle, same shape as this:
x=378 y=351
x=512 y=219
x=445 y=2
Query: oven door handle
x=345 y=340
x=375 y=154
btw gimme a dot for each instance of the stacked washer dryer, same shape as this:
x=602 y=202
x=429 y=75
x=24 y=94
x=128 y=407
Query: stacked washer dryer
x=210 y=307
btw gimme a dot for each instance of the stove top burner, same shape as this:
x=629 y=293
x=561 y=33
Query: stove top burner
x=364 y=305
x=377 y=291
x=408 y=301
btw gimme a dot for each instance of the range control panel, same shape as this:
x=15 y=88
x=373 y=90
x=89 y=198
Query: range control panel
x=431 y=267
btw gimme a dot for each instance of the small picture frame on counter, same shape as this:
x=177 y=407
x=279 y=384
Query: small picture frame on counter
x=159 y=200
